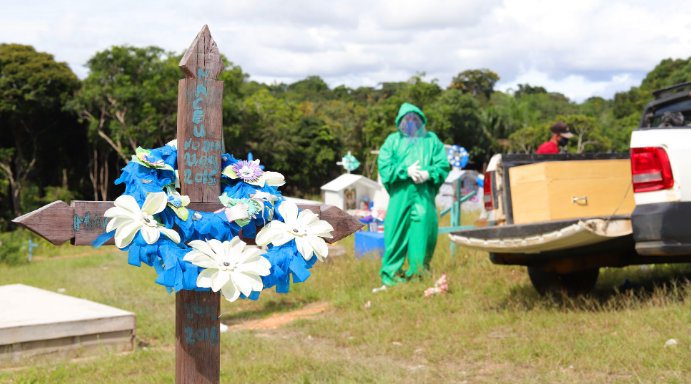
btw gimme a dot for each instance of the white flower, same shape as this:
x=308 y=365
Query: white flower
x=251 y=173
x=264 y=196
x=305 y=228
x=230 y=266
x=127 y=219
x=239 y=211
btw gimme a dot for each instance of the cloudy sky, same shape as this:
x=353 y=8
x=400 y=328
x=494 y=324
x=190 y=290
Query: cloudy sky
x=580 y=48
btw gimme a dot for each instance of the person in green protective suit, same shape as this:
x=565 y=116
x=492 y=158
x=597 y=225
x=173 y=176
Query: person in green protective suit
x=412 y=165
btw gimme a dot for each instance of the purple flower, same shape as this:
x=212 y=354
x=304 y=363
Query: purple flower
x=248 y=171
x=251 y=173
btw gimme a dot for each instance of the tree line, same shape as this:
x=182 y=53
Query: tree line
x=66 y=138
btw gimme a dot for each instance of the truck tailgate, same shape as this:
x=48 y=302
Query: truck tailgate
x=544 y=237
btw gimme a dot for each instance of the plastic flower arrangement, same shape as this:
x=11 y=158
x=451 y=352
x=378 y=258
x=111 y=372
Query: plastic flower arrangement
x=203 y=250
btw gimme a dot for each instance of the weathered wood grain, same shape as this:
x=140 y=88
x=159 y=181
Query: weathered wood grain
x=202 y=54
x=53 y=222
x=88 y=222
x=200 y=147
x=343 y=223
x=199 y=124
x=200 y=137
x=197 y=337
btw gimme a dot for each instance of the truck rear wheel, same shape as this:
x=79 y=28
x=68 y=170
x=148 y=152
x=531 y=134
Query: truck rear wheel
x=573 y=283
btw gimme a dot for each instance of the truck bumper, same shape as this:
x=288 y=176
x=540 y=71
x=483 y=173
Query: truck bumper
x=662 y=229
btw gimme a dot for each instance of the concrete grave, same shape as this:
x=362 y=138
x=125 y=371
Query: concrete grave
x=39 y=323
x=348 y=191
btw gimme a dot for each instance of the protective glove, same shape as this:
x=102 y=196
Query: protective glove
x=414 y=171
x=422 y=177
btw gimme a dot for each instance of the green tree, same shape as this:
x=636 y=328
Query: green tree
x=620 y=132
x=455 y=117
x=129 y=99
x=365 y=95
x=346 y=120
x=313 y=156
x=235 y=89
x=311 y=88
x=588 y=134
x=290 y=138
x=544 y=107
x=420 y=92
x=381 y=121
x=527 y=89
x=514 y=113
x=477 y=82
x=630 y=102
x=494 y=128
x=595 y=107
x=266 y=121
x=34 y=129
x=667 y=73
x=527 y=139
x=628 y=106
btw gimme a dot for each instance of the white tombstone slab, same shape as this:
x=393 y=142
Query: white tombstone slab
x=37 y=322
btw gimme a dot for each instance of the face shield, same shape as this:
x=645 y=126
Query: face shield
x=411 y=125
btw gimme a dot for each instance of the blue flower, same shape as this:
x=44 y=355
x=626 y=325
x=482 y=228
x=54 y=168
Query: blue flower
x=286 y=262
x=140 y=180
x=160 y=158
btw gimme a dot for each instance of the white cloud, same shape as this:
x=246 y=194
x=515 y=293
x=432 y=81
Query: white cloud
x=585 y=48
x=576 y=87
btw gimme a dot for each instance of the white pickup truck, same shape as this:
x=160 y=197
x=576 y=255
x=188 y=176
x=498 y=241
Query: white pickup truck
x=661 y=169
x=565 y=253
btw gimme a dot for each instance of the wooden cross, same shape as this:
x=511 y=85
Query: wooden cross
x=200 y=146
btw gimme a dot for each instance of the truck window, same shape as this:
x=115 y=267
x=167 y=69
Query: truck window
x=676 y=115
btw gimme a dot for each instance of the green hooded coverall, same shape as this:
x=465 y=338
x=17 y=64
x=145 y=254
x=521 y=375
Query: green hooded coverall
x=411 y=219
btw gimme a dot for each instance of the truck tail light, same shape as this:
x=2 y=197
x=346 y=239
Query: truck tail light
x=650 y=169
x=487 y=192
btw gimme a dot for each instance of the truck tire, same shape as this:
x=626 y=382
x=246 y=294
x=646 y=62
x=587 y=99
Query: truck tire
x=572 y=284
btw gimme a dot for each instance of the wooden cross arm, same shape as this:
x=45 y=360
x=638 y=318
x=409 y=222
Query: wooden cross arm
x=81 y=222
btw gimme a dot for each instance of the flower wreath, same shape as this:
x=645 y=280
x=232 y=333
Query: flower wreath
x=202 y=250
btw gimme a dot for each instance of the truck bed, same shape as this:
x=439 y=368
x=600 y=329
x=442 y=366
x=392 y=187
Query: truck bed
x=545 y=236
x=509 y=161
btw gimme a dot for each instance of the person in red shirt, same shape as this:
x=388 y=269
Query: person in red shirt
x=560 y=137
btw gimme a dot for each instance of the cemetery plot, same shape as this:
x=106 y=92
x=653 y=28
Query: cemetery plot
x=35 y=322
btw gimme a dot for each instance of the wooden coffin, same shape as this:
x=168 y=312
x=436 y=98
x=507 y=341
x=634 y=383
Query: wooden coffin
x=558 y=190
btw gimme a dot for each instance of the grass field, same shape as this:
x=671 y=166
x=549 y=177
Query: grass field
x=490 y=328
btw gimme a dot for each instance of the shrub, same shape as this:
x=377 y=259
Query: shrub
x=12 y=248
